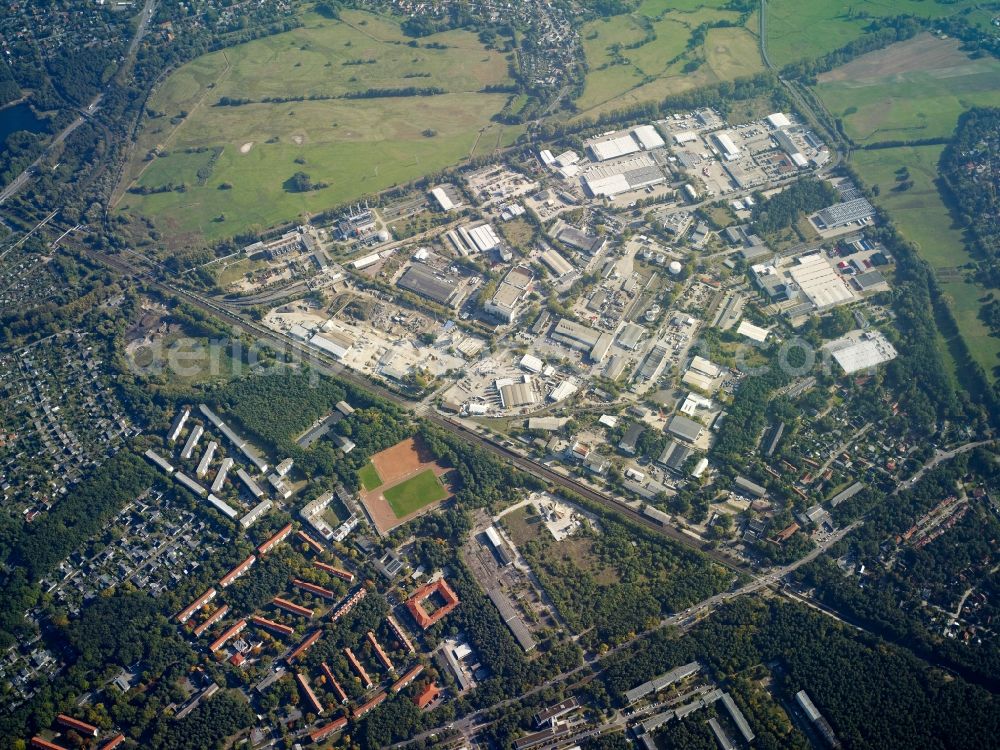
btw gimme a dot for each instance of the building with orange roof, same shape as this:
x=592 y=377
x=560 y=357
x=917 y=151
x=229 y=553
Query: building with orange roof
x=305 y=645
x=416 y=603
x=236 y=572
x=237 y=659
x=427 y=696
x=88 y=730
x=348 y=604
x=310 y=695
x=314 y=589
x=318 y=735
x=334 y=571
x=317 y=547
x=406 y=679
x=295 y=609
x=113 y=742
x=201 y=601
x=369 y=706
x=359 y=669
x=275 y=540
x=224 y=638
x=382 y=655
x=341 y=695
x=400 y=634
x=38 y=742
x=271 y=625
x=211 y=620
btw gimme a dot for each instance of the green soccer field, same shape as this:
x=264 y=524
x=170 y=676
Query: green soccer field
x=369 y=477
x=415 y=493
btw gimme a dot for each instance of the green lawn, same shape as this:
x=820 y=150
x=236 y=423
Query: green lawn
x=916 y=103
x=924 y=219
x=354 y=146
x=806 y=29
x=659 y=32
x=369 y=477
x=415 y=493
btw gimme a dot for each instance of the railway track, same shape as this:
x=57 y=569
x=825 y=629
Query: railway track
x=330 y=366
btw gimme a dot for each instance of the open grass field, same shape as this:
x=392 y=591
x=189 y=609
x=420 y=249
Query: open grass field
x=913 y=89
x=407 y=482
x=924 y=219
x=415 y=493
x=805 y=29
x=355 y=146
x=369 y=477
x=659 y=33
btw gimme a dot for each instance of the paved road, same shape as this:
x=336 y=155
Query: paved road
x=939 y=456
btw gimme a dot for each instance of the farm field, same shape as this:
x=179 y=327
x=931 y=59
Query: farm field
x=650 y=54
x=352 y=146
x=413 y=494
x=913 y=89
x=803 y=29
x=924 y=219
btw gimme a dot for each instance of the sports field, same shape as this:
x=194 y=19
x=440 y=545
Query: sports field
x=924 y=219
x=806 y=29
x=415 y=493
x=353 y=146
x=652 y=53
x=910 y=90
x=369 y=477
x=400 y=483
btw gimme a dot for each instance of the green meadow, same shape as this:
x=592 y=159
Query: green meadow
x=352 y=147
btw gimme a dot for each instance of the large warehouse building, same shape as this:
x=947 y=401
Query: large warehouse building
x=820 y=283
x=423 y=280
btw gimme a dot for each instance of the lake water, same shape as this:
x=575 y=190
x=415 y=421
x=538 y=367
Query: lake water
x=18 y=117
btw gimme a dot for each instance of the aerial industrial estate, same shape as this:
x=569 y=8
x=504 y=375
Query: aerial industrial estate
x=560 y=376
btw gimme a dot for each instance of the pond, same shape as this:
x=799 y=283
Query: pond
x=18 y=117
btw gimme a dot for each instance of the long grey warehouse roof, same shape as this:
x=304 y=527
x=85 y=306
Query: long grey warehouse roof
x=684 y=428
x=737 y=716
x=512 y=619
x=585 y=335
x=421 y=280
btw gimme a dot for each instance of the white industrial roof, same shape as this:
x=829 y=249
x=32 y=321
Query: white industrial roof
x=612 y=147
x=685 y=136
x=705 y=367
x=531 y=363
x=854 y=354
x=648 y=137
x=485 y=238
x=442 y=198
x=329 y=345
x=752 y=332
x=779 y=120
x=610 y=186
x=563 y=391
x=820 y=282
x=799 y=160
x=546 y=157
x=566 y=158
x=727 y=145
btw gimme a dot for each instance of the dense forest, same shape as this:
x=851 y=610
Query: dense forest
x=781 y=211
x=970 y=169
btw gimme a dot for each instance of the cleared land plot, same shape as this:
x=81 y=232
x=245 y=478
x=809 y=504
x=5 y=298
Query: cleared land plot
x=411 y=485
x=806 y=29
x=913 y=89
x=413 y=494
x=642 y=56
x=354 y=146
x=924 y=219
x=369 y=477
